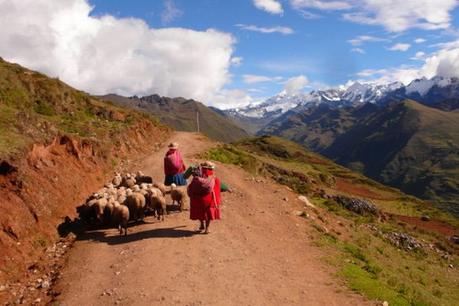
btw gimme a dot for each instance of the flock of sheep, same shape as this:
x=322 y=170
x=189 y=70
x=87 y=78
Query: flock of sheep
x=127 y=197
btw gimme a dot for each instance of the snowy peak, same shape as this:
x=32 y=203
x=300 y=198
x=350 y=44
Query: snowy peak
x=427 y=91
x=422 y=86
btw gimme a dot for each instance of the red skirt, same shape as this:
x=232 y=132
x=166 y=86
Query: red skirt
x=202 y=211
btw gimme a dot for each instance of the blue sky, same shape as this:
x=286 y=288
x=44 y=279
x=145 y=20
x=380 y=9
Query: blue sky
x=318 y=48
x=262 y=44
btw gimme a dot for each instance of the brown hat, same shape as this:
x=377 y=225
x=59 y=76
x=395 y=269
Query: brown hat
x=173 y=145
x=208 y=165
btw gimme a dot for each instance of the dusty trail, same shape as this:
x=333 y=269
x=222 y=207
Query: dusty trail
x=258 y=254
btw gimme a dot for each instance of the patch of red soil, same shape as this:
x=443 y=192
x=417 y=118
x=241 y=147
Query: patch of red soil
x=43 y=187
x=432 y=225
x=344 y=186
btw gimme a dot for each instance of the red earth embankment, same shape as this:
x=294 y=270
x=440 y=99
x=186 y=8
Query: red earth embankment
x=39 y=189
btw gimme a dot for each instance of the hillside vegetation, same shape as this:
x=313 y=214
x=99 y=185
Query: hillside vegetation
x=406 y=145
x=360 y=246
x=180 y=114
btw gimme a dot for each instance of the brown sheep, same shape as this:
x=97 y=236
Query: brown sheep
x=99 y=207
x=161 y=187
x=136 y=204
x=158 y=204
x=128 y=181
x=178 y=196
x=120 y=217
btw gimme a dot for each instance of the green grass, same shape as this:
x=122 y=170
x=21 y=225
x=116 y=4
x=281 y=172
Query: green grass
x=367 y=262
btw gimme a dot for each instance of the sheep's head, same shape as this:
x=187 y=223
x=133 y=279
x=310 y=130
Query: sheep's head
x=173 y=186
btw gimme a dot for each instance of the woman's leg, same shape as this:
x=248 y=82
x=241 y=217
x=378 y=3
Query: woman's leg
x=202 y=225
x=207 y=226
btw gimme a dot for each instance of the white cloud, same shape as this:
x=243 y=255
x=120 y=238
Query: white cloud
x=295 y=84
x=107 y=54
x=308 y=15
x=384 y=76
x=359 y=40
x=270 y=6
x=358 y=50
x=444 y=63
x=276 y=29
x=398 y=16
x=234 y=98
x=251 y=79
x=236 y=61
x=419 y=56
x=321 y=4
x=400 y=47
x=394 y=15
x=419 y=40
x=170 y=12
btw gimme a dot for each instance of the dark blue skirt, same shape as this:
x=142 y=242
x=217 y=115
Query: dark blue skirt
x=177 y=179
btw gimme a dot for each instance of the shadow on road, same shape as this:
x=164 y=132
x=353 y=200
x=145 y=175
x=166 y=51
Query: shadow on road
x=113 y=239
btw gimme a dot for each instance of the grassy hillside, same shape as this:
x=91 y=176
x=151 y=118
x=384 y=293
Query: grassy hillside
x=35 y=108
x=180 y=114
x=406 y=145
x=359 y=246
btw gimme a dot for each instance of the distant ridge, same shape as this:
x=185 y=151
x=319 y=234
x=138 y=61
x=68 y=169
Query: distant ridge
x=180 y=114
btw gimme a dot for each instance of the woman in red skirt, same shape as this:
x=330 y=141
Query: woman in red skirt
x=204 y=193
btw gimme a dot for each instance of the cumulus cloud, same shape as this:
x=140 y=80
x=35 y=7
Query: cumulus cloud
x=270 y=6
x=400 y=47
x=252 y=78
x=108 y=54
x=359 y=40
x=170 y=12
x=266 y=30
x=321 y=4
x=296 y=84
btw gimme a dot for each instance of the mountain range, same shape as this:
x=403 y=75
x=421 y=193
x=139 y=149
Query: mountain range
x=439 y=92
x=402 y=136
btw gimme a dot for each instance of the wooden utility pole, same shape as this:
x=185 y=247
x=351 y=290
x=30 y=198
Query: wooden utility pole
x=197 y=120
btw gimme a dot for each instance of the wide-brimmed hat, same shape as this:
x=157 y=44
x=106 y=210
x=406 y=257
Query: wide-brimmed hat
x=173 y=145
x=208 y=165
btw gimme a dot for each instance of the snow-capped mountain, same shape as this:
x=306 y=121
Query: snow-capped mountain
x=426 y=91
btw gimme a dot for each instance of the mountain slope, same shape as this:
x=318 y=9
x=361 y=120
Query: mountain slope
x=408 y=145
x=56 y=143
x=180 y=114
x=405 y=144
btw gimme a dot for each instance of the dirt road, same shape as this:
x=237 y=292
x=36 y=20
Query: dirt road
x=258 y=254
